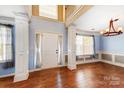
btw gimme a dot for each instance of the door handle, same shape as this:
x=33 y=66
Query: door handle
x=56 y=51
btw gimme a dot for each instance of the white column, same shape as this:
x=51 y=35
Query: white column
x=71 y=47
x=21 y=47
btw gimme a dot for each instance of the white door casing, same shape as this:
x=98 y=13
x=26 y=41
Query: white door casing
x=21 y=47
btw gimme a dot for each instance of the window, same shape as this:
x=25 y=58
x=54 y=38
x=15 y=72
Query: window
x=60 y=50
x=38 y=55
x=84 y=45
x=5 y=43
x=50 y=11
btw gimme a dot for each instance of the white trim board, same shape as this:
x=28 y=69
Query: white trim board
x=113 y=62
x=3 y=76
x=85 y=62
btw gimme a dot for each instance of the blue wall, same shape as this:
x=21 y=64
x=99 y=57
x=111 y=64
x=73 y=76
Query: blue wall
x=113 y=44
x=97 y=43
x=6 y=71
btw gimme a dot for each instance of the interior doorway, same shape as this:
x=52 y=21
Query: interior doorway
x=48 y=50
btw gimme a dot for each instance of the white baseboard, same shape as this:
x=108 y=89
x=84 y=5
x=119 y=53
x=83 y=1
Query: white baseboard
x=113 y=63
x=33 y=70
x=90 y=61
x=3 y=76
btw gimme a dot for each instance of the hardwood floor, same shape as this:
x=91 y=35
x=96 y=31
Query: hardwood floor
x=86 y=75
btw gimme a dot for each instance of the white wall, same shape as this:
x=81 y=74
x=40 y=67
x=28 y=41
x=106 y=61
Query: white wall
x=98 y=17
x=8 y=10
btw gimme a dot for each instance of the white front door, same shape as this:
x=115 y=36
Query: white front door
x=50 y=50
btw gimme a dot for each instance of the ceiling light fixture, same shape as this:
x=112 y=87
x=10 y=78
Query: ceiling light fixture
x=111 y=31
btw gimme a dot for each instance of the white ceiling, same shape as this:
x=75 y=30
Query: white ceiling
x=98 y=17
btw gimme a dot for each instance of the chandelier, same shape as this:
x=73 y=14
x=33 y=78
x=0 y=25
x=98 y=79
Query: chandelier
x=111 y=31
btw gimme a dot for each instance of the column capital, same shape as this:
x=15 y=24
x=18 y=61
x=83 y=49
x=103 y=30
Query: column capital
x=73 y=26
x=21 y=15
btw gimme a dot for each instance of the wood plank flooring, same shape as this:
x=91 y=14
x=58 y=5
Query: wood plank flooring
x=93 y=75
